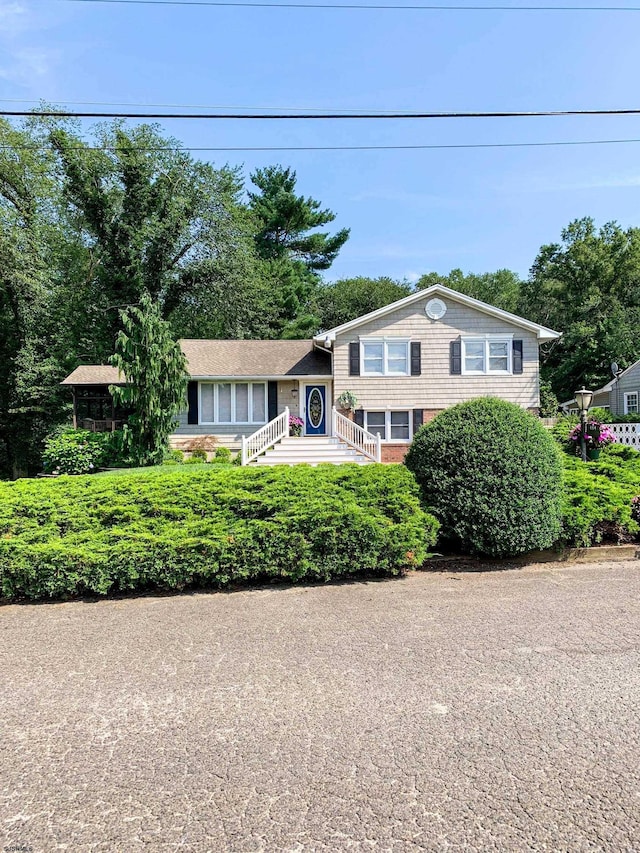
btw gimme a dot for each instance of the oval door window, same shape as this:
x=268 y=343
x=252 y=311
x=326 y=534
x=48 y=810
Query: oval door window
x=316 y=408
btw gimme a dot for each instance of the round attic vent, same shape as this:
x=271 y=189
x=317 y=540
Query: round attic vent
x=435 y=309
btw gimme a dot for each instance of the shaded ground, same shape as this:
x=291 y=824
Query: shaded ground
x=475 y=711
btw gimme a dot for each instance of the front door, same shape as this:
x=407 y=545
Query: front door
x=315 y=419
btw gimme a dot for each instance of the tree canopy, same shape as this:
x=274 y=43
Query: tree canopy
x=93 y=225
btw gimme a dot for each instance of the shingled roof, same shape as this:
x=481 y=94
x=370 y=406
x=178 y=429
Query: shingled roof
x=210 y=359
x=255 y=358
x=94 y=374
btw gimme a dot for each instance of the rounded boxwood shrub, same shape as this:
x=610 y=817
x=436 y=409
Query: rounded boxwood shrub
x=492 y=475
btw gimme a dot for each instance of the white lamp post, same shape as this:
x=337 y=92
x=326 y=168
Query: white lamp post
x=583 y=399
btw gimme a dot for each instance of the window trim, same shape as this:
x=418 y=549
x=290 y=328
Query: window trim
x=385 y=355
x=628 y=394
x=486 y=340
x=233 y=421
x=387 y=424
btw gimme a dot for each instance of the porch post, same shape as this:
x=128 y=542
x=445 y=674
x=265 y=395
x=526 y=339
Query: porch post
x=75 y=408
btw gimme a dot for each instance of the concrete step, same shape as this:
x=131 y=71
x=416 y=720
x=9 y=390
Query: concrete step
x=265 y=461
x=311 y=450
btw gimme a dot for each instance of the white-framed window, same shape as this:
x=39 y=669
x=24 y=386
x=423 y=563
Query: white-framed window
x=390 y=426
x=631 y=402
x=233 y=402
x=384 y=357
x=487 y=354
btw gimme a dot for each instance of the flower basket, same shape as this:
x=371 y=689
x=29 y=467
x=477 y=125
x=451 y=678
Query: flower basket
x=295 y=426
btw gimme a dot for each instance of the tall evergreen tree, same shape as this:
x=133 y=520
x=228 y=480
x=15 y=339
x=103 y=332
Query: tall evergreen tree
x=156 y=373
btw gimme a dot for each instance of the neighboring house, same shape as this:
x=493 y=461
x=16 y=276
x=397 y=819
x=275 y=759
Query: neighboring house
x=620 y=396
x=404 y=362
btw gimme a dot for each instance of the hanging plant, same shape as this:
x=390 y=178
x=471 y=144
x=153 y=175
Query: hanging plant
x=347 y=400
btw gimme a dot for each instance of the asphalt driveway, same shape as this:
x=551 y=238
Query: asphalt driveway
x=437 y=712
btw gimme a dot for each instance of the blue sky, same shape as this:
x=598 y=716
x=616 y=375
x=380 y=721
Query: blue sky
x=410 y=212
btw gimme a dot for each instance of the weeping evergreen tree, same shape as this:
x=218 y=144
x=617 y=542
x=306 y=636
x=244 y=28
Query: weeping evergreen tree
x=156 y=373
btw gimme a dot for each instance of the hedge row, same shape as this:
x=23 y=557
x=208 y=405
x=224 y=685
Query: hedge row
x=178 y=527
x=597 y=496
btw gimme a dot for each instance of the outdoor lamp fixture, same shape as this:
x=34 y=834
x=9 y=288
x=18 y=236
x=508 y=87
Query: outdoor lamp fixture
x=294 y=392
x=583 y=398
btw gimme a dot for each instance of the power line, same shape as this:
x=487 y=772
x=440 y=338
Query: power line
x=363 y=6
x=332 y=147
x=318 y=116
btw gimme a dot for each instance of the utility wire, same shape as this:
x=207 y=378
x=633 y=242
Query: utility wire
x=329 y=147
x=49 y=113
x=364 y=6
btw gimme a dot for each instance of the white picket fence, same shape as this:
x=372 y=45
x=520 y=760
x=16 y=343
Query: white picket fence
x=626 y=434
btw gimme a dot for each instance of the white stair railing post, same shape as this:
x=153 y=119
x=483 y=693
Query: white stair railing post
x=243 y=451
x=357 y=437
x=286 y=416
x=333 y=420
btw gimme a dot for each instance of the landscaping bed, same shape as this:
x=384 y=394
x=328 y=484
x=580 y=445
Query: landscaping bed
x=185 y=526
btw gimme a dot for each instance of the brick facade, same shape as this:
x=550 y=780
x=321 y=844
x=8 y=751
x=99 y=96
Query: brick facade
x=394 y=452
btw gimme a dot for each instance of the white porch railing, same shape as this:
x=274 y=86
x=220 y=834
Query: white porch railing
x=355 y=436
x=265 y=437
x=626 y=434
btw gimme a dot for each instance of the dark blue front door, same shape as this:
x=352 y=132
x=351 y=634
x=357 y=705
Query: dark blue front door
x=315 y=410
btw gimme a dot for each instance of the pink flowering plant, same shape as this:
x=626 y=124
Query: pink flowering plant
x=597 y=436
x=295 y=425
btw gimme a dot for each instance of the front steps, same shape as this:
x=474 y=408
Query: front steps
x=311 y=450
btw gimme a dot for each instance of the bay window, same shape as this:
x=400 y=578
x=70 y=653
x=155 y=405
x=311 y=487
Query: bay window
x=233 y=402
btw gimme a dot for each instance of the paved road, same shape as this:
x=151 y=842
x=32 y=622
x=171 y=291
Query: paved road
x=438 y=712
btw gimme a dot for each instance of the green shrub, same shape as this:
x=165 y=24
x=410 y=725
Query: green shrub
x=173 y=457
x=598 y=497
x=199 y=454
x=560 y=431
x=176 y=527
x=492 y=475
x=72 y=451
x=222 y=456
x=237 y=459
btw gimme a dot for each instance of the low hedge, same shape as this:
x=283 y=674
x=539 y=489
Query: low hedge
x=597 y=501
x=174 y=527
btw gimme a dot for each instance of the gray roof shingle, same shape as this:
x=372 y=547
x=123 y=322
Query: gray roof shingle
x=208 y=358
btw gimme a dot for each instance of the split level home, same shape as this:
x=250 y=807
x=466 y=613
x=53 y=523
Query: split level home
x=403 y=363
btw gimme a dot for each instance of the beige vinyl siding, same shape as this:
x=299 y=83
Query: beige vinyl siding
x=628 y=383
x=230 y=435
x=436 y=388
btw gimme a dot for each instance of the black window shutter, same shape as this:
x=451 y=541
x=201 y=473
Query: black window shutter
x=417 y=420
x=192 y=403
x=517 y=356
x=455 y=358
x=416 y=359
x=272 y=397
x=358 y=417
x=354 y=358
